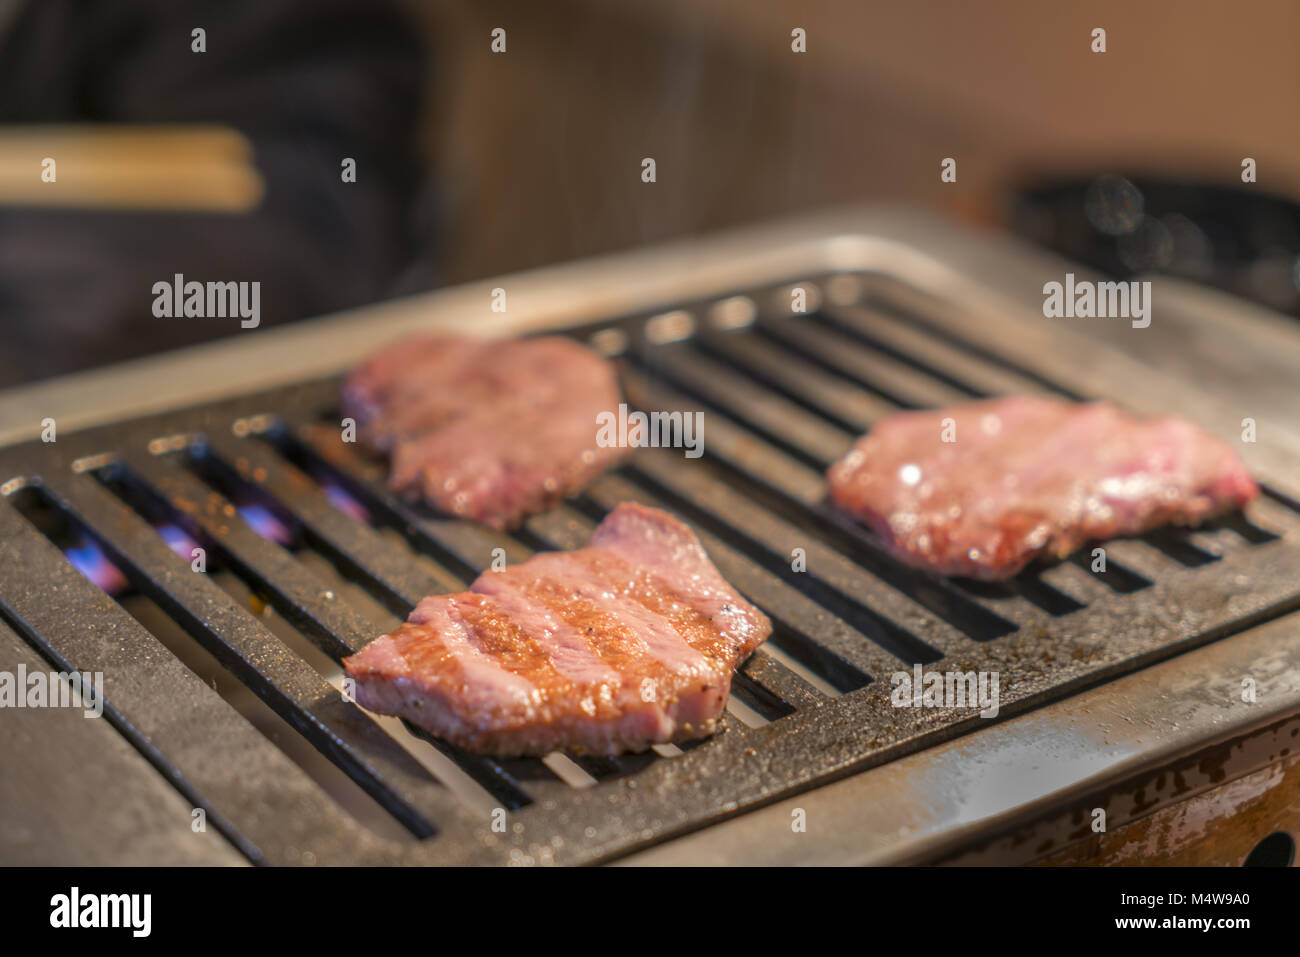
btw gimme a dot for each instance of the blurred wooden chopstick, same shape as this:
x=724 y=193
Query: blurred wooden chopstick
x=165 y=168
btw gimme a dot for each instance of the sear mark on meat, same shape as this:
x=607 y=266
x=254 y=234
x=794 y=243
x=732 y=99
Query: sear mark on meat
x=627 y=642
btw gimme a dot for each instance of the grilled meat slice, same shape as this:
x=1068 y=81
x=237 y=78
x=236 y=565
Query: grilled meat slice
x=628 y=642
x=487 y=430
x=1025 y=476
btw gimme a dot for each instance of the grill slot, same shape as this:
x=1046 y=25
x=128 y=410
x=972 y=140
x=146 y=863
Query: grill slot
x=871 y=368
x=237 y=639
x=798 y=432
x=921 y=326
x=822 y=392
x=798 y=686
x=782 y=398
x=463 y=549
x=1074 y=578
x=391 y=575
x=271 y=810
x=1141 y=559
x=1176 y=544
x=1272 y=495
x=928 y=353
x=752 y=705
x=572 y=772
x=272 y=571
x=1116 y=576
x=1244 y=529
x=1029 y=586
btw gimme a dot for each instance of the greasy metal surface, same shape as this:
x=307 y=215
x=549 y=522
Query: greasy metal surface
x=775 y=413
x=253 y=794
x=100 y=787
x=1248 y=760
x=1055 y=760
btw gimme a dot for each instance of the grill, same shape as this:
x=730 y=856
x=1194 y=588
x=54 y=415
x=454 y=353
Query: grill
x=306 y=557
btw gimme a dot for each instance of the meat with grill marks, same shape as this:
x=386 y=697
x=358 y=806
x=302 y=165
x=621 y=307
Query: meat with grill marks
x=628 y=642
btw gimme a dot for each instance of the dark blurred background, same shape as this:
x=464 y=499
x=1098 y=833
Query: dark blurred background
x=475 y=163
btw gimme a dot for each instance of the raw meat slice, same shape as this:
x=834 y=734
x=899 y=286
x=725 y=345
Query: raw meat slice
x=1029 y=475
x=486 y=430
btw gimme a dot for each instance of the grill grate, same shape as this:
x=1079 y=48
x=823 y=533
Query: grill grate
x=783 y=396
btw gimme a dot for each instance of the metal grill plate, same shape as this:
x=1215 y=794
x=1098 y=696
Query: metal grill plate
x=782 y=397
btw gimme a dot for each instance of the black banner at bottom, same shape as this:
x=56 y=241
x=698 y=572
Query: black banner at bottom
x=341 y=907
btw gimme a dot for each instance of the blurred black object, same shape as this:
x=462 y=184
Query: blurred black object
x=1234 y=238
x=308 y=82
